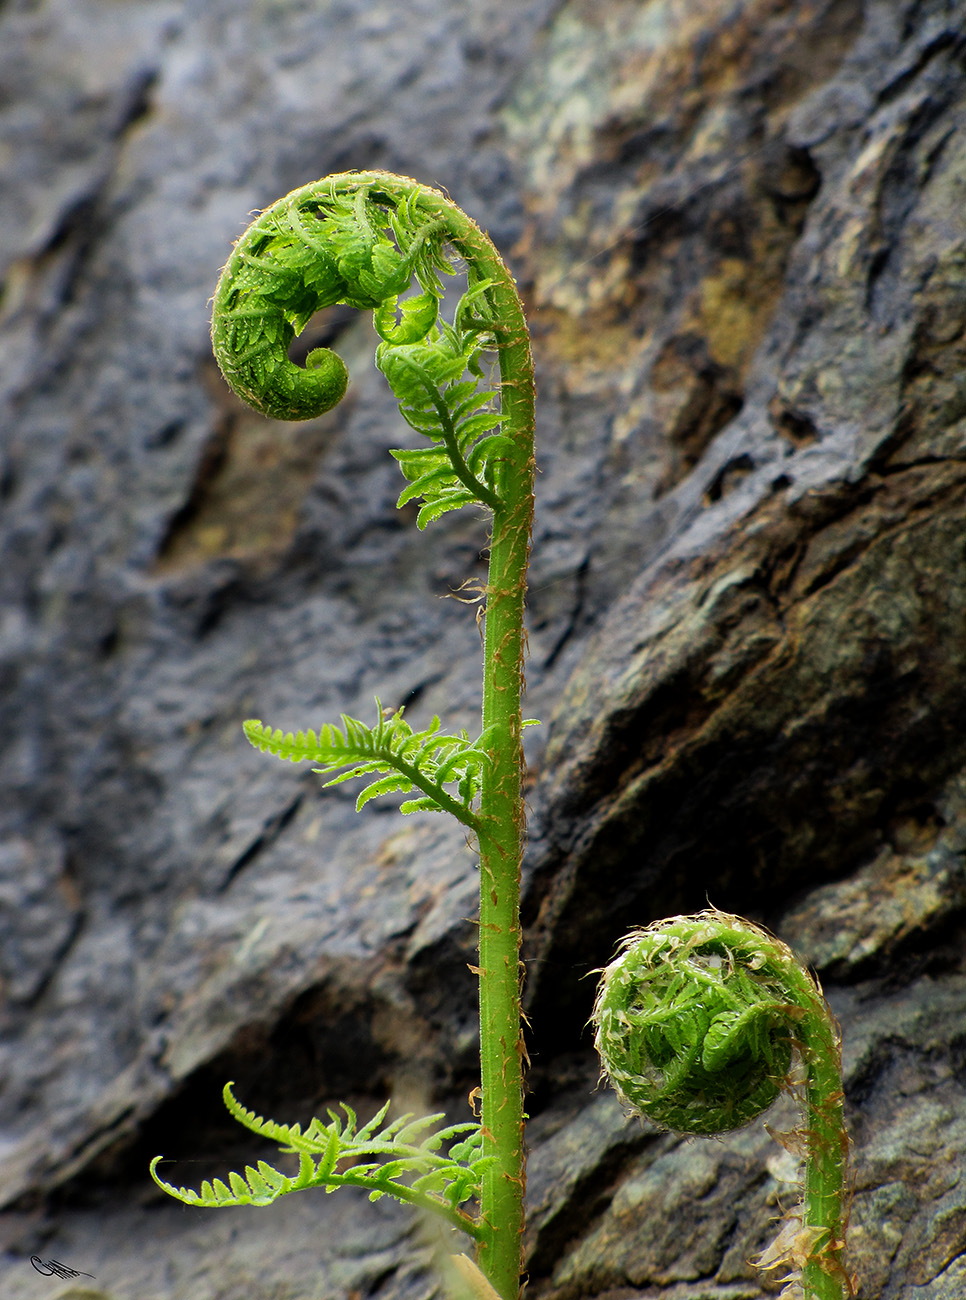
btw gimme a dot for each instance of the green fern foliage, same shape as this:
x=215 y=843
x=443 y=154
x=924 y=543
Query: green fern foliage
x=411 y=1159
x=440 y=385
x=426 y=760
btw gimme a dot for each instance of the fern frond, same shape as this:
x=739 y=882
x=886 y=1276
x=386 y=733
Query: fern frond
x=417 y=316
x=404 y=1159
x=427 y=760
x=437 y=383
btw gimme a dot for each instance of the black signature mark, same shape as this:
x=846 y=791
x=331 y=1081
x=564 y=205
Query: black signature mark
x=53 y=1268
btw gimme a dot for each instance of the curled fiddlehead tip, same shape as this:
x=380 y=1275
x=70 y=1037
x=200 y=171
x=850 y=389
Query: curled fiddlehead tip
x=696 y=1019
x=356 y=238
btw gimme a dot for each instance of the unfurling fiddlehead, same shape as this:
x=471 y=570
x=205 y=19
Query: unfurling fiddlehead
x=324 y=244
x=360 y=239
x=697 y=1020
x=381 y=242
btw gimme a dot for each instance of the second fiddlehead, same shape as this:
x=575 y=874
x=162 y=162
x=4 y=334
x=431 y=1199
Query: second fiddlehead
x=369 y=239
x=697 y=1020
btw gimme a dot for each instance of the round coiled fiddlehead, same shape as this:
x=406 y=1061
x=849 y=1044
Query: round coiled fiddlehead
x=693 y=1026
x=697 y=1021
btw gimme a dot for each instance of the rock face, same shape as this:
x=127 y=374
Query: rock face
x=740 y=230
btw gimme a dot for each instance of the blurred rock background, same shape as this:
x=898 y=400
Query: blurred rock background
x=740 y=230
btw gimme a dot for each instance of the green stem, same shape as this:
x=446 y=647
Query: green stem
x=452 y=1214
x=502 y=1051
x=825 y=1184
x=501 y=1036
x=826 y=1161
x=438 y=793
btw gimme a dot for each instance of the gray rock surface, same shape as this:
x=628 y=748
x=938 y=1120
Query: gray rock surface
x=740 y=229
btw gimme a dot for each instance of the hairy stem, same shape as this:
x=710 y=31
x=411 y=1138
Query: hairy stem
x=826 y=1163
x=502 y=1050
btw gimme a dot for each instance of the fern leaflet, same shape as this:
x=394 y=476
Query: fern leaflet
x=424 y=760
x=437 y=382
x=404 y=1159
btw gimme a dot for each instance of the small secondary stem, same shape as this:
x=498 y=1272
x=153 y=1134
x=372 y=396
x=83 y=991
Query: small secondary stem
x=825 y=1192
x=823 y=1275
